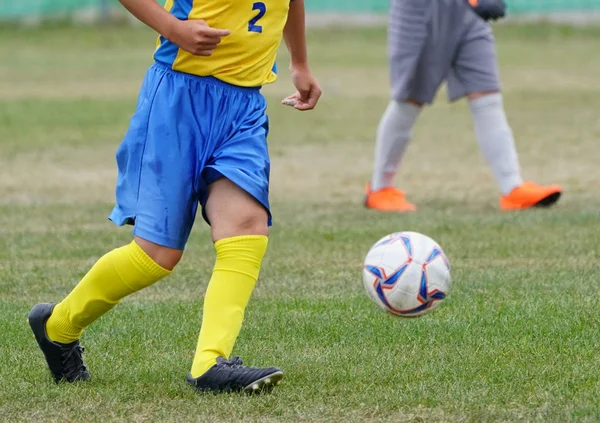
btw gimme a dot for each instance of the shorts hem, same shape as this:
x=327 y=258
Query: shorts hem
x=121 y=219
x=158 y=239
x=452 y=97
x=421 y=99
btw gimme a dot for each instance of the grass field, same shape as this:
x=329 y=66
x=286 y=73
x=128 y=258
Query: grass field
x=517 y=339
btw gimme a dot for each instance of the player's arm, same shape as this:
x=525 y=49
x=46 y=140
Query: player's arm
x=193 y=36
x=294 y=35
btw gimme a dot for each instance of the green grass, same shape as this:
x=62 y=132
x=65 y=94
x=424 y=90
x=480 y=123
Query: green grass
x=517 y=339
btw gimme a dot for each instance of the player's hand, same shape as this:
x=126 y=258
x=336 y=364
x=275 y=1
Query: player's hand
x=489 y=9
x=196 y=37
x=308 y=93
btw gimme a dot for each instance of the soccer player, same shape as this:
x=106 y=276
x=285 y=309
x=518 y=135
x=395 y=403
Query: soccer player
x=198 y=136
x=429 y=42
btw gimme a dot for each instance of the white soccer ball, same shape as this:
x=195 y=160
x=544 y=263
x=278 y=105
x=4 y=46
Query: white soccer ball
x=407 y=274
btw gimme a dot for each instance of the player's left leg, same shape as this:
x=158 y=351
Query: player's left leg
x=475 y=75
x=240 y=233
x=236 y=205
x=497 y=143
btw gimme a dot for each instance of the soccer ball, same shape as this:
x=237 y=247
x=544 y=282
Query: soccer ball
x=407 y=274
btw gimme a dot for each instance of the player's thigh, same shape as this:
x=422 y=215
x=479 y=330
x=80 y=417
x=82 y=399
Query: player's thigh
x=475 y=68
x=410 y=77
x=232 y=211
x=156 y=188
x=422 y=40
x=237 y=173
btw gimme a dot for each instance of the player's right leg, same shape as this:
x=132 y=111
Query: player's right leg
x=58 y=327
x=155 y=191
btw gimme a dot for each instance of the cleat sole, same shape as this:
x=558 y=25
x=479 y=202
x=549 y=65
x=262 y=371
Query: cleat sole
x=265 y=384
x=549 y=200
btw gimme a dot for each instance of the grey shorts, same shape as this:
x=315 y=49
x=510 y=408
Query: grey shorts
x=432 y=41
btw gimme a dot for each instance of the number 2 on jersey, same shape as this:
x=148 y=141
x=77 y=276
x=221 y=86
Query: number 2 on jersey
x=262 y=9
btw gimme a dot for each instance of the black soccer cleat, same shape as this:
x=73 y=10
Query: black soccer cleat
x=64 y=360
x=233 y=376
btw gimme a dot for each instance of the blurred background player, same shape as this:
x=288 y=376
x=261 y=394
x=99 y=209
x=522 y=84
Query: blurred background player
x=198 y=136
x=429 y=42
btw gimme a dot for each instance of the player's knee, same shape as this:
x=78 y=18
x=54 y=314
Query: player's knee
x=232 y=211
x=414 y=102
x=250 y=221
x=165 y=257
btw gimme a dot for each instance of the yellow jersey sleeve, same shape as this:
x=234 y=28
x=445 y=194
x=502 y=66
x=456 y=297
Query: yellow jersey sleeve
x=246 y=57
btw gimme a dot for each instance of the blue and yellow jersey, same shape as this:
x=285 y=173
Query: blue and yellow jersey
x=246 y=57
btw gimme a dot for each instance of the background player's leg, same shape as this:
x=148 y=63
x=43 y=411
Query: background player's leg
x=408 y=36
x=495 y=139
x=393 y=135
x=498 y=146
x=240 y=230
x=475 y=74
x=422 y=39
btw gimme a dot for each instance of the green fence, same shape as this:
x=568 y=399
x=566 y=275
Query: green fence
x=16 y=9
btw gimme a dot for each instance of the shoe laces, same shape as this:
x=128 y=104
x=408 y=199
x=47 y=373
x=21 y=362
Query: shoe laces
x=72 y=360
x=233 y=363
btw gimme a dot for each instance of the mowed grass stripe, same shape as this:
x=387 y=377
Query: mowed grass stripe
x=513 y=355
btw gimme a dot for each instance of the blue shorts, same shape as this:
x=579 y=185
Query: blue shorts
x=187 y=132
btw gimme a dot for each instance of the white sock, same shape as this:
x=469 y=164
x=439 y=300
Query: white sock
x=496 y=141
x=393 y=134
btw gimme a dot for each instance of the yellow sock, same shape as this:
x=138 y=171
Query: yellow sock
x=230 y=287
x=117 y=274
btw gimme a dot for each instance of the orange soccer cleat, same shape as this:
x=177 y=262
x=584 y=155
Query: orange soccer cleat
x=530 y=194
x=388 y=199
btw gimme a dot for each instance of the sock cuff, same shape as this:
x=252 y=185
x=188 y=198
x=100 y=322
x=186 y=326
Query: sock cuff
x=240 y=239
x=59 y=327
x=241 y=254
x=150 y=267
x=485 y=101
